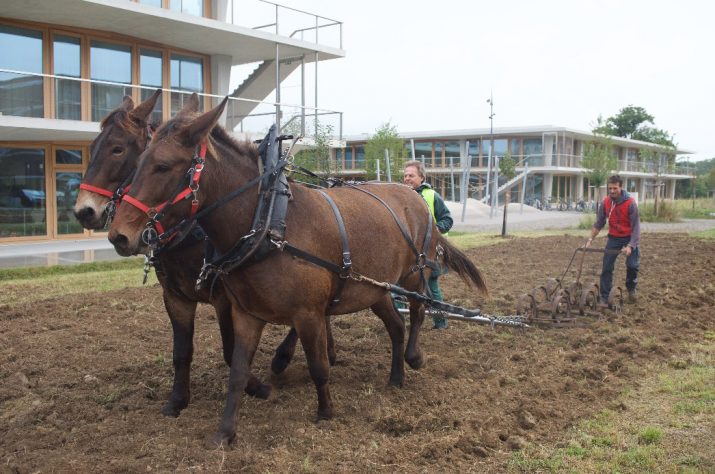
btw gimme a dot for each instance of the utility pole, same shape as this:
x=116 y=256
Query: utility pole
x=490 y=101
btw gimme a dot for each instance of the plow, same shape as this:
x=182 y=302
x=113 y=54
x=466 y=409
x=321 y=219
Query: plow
x=556 y=303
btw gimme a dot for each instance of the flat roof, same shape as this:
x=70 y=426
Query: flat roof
x=202 y=35
x=535 y=131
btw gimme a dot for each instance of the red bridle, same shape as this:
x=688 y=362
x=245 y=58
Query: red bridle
x=155 y=213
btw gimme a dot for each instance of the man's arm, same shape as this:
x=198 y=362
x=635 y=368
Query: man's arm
x=442 y=214
x=634 y=216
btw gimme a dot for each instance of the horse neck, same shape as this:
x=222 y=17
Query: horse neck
x=231 y=220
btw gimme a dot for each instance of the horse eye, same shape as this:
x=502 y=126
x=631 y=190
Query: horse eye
x=162 y=168
x=117 y=150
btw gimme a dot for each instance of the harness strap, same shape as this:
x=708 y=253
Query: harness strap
x=96 y=190
x=311 y=258
x=347 y=263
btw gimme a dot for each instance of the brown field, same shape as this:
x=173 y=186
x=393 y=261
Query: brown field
x=83 y=378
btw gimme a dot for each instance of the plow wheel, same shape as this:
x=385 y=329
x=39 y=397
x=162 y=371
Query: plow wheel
x=615 y=299
x=575 y=292
x=588 y=304
x=526 y=306
x=541 y=297
x=561 y=306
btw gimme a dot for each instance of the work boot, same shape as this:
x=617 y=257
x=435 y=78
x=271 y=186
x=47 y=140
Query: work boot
x=632 y=296
x=439 y=322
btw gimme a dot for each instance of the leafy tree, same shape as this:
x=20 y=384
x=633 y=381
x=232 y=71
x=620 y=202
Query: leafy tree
x=385 y=138
x=710 y=181
x=633 y=122
x=659 y=167
x=507 y=169
x=599 y=161
x=317 y=157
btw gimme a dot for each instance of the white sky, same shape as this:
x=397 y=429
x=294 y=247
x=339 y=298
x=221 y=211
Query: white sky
x=430 y=65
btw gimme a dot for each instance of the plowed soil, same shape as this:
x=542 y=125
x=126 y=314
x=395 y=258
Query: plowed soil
x=83 y=378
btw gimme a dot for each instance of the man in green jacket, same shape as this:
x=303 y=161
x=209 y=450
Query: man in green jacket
x=415 y=178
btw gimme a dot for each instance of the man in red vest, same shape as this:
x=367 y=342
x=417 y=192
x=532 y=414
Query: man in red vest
x=624 y=234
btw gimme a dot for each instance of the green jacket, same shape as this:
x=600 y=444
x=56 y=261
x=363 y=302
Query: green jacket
x=441 y=214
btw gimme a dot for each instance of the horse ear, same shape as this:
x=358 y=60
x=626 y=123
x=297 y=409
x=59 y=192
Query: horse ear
x=143 y=110
x=191 y=105
x=201 y=126
x=127 y=103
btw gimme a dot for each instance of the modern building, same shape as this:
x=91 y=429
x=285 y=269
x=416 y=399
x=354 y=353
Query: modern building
x=548 y=162
x=64 y=64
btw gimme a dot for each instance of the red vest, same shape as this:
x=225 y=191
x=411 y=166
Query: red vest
x=619 y=222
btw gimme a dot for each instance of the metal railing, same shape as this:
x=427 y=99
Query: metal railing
x=287 y=21
x=21 y=94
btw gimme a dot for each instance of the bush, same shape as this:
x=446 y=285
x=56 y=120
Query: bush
x=667 y=212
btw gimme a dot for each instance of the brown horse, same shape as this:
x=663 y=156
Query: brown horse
x=281 y=288
x=114 y=157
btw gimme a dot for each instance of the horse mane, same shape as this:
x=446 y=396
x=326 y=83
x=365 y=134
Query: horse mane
x=120 y=118
x=218 y=134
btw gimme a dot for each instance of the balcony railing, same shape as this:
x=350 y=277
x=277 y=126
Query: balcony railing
x=285 y=21
x=21 y=94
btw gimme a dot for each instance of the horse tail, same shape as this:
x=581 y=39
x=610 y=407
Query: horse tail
x=456 y=260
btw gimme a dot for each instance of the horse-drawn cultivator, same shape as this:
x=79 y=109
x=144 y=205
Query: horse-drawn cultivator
x=557 y=303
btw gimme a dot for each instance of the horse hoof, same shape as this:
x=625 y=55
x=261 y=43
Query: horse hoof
x=173 y=409
x=262 y=391
x=396 y=382
x=324 y=415
x=416 y=361
x=219 y=441
x=332 y=358
x=279 y=363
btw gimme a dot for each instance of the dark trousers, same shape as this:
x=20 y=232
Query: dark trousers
x=609 y=262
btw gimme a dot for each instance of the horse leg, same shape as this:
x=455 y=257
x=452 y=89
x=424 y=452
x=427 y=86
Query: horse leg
x=247 y=334
x=284 y=352
x=181 y=313
x=396 y=329
x=255 y=387
x=312 y=336
x=286 y=349
x=413 y=354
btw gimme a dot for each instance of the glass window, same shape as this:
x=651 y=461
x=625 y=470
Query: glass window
x=151 y=75
x=112 y=63
x=473 y=151
x=349 y=158
x=67 y=190
x=68 y=157
x=192 y=7
x=21 y=94
x=500 y=146
x=360 y=157
x=423 y=152
x=515 y=147
x=66 y=50
x=187 y=74
x=451 y=149
x=438 y=146
x=22 y=192
x=153 y=3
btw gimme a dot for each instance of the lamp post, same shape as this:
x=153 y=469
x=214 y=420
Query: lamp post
x=490 y=101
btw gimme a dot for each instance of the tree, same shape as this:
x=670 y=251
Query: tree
x=633 y=122
x=710 y=181
x=385 y=138
x=317 y=157
x=599 y=161
x=507 y=169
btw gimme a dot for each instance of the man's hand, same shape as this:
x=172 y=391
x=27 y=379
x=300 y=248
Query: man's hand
x=627 y=250
x=588 y=243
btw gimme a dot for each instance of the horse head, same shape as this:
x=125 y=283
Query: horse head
x=166 y=187
x=113 y=158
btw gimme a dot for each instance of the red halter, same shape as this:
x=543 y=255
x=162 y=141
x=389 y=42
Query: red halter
x=155 y=213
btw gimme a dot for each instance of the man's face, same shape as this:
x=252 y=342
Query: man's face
x=412 y=178
x=614 y=190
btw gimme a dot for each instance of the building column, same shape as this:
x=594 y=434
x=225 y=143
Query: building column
x=671 y=189
x=547 y=185
x=220 y=79
x=579 y=187
x=641 y=190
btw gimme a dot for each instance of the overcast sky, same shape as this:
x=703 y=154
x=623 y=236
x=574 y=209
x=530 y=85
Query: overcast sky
x=430 y=65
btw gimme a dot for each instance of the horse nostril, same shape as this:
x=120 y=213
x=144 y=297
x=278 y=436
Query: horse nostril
x=119 y=241
x=86 y=214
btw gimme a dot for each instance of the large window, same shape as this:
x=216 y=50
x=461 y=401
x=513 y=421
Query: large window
x=68 y=92
x=112 y=63
x=187 y=74
x=151 y=75
x=423 y=152
x=451 y=150
x=21 y=50
x=192 y=7
x=67 y=189
x=22 y=192
x=533 y=151
x=360 y=157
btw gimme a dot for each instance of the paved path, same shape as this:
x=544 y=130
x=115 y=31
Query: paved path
x=476 y=219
